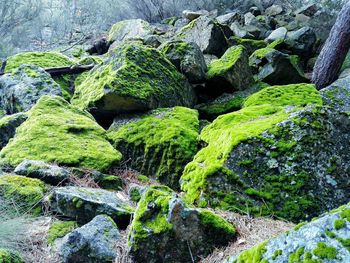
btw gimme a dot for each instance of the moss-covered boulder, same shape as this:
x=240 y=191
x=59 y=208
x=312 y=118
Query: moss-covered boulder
x=26 y=193
x=83 y=204
x=59 y=133
x=135 y=77
x=274 y=157
x=276 y=68
x=24 y=87
x=58 y=229
x=251 y=45
x=8 y=126
x=165 y=229
x=188 y=59
x=10 y=256
x=325 y=239
x=208 y=34
x=231 y=72
x=158 y=144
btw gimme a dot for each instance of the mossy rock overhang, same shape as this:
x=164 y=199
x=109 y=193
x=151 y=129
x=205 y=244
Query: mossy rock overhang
x=57 y=132
x=158 y=144
x=325 y=239
x=283 y=154
x=134 y=78
x=164 y=226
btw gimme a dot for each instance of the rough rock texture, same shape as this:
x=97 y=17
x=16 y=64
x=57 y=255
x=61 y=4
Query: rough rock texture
x=208 y=34
x=188 y=59
x=272 y=158
x=231 y=72
x=83 y=204
x=302 y=42
x=158 y=144
x=93 y=242
x=134 y=78
x=276 y=68
x=8 y=126
x=325 y=239
x=337 y=95
x=57 y=132
x=48 y=173
x=165 y=229
x=192 y=15
x=21 y=90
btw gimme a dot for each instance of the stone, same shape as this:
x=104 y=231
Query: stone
x=274 y=10
x=302 y=42
x=93 y=242
x=192 y=15
x=229 y=18
x=279 y=33
x=307 y=10
x=83 y=204
x=8 y=126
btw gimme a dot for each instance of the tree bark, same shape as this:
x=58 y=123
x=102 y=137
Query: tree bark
x=54 y=72
x=334 y=52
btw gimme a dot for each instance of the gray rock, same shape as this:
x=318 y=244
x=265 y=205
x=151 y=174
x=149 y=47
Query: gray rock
x=302 y=42
x=250 y=20
x=153 y=41
x=8 y=126
x=229 y=18
x=238 y=30
x=307 y=10
x=208 y=34
x=165 y=229
x=21 y=90
x=48 y=173
x=192 y=15
x=279 y=33
x=188 y=59
x=209 y=58
x=337 y=94
x=323 y=240
x=83 y=204
x=91 y=243
x=274 y=10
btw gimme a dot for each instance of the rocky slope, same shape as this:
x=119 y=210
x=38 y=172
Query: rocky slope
x=177 y=127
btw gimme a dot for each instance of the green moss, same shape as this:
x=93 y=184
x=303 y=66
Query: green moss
x=345 y=214
x=143 y=178
x=135 y=194
x=214 y=221
x=91 y=60
x=297 y=227
x=250 y=44
x=179 y=48
x=325 y=252
x=41 y=59
x=296 y=256
x=57 y=132
x=339 y=224
x=66 y=83
x=261 y=53
x=59 y=229
x=225 y=63
x=27 y=193
x=276 y=254
x=253 y=255
x=8 y=256
x=110 y=182
x=119 y=28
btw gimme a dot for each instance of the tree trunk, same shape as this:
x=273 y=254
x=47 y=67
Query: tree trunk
x=334 y=51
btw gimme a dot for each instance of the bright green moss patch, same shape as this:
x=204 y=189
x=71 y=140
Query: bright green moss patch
x=212 y=220
x=295 y=94
x=8 y=256
x=325 y=252
x=41 y=59
x=345 y=214
x=339 y=224
x=225 y=63
x=253 y=255
x=122 y=27
x=57 y=132
x=59 y=229
x=27 y=193
x=296 y=256
x=261 y=53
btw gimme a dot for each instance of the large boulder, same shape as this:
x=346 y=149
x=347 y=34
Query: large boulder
x=231 y=72
x=188 y=59
x=134 y=78
x=158 y=144
x=283 y=154
x=93 y=242
x=302 y=42
x=83 y=204
x=8 y=126
x=165 y=229
x=57 y=132
x=21 y=90
x=336 y=95
x=325 y=239
x=276 y=68
x=208 y=34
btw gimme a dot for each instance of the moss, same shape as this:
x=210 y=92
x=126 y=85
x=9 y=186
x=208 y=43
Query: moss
x=117 y=28
x=27 y=193
x=297 y=227
x=135 y=194
x=250 y=44
x=179 y=48
x=325 y=252
x=212 y=220
x=110 y=182
x=58 y=132
x=253 y=255
x=339 y=224
x=225 y=63
x=59 y=229
x=165 y=140
x=261 y=53
x=276 y=254
x=66 y=83
x=296 y=256
x=91 y=60
x=41 y=59
x=170 y=21
x=9 y=256
x=345 y=214
x=143 y=178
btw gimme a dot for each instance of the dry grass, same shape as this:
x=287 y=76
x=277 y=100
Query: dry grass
x=122 y=248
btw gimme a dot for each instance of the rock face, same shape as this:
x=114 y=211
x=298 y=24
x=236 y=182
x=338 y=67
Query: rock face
x=93 y=242
x=208 y=34
x=275 y=67
x=57 y=132
x=188 y=59
x=134 y=78
x=302 y=42
x=165 y=229
x=8 y=126
x=231 y=72
x=159 y=144
x=323 y=240
x=273 y=158
x=21 y=90
x=83 y=204
x=51 y=174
